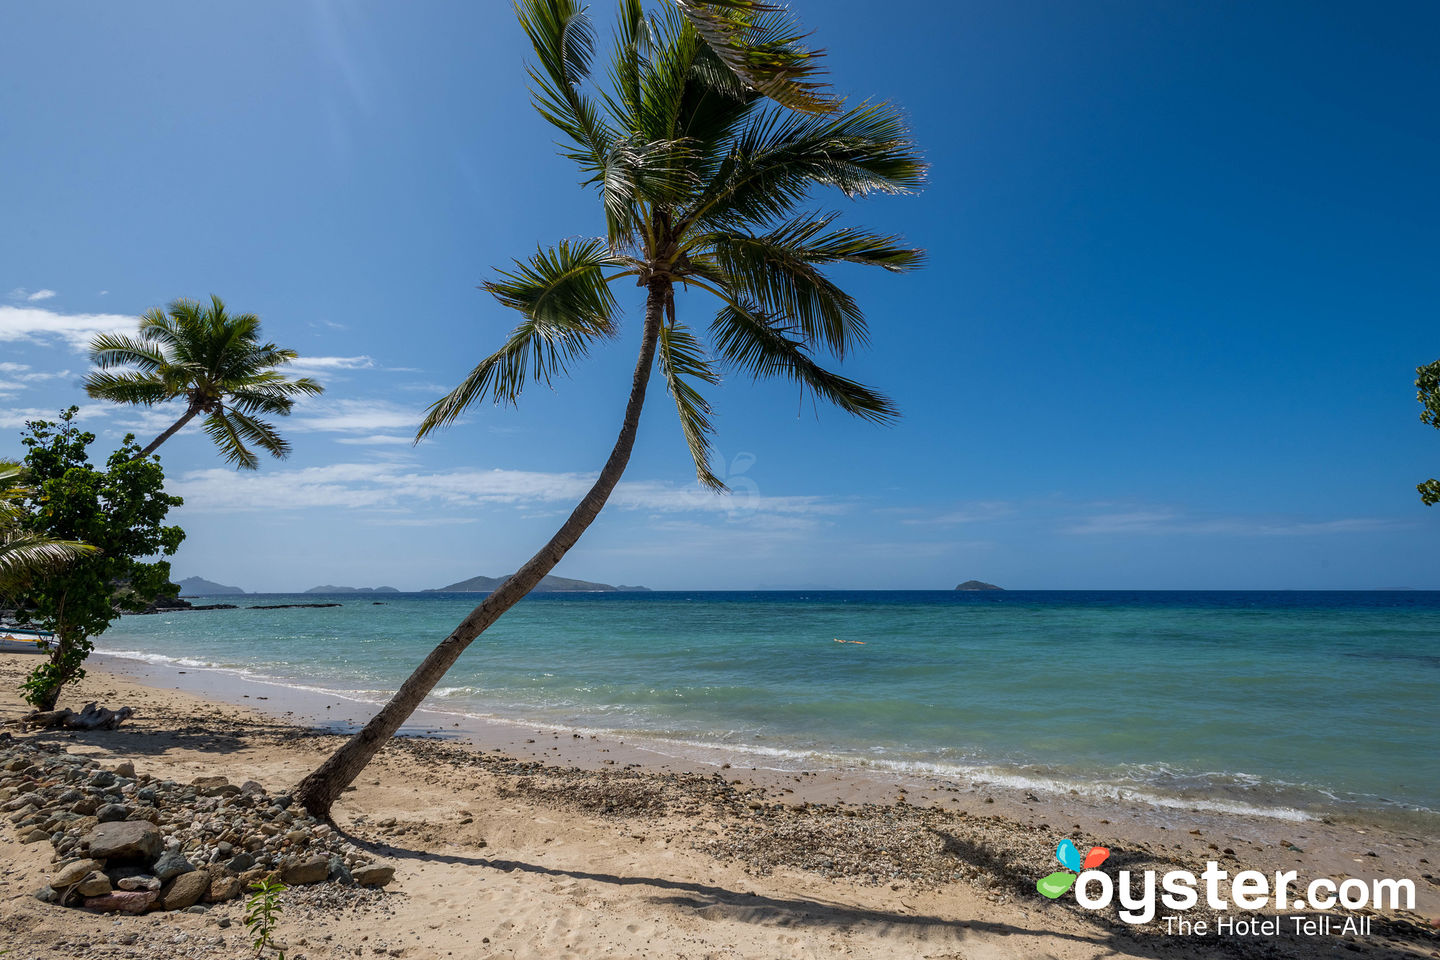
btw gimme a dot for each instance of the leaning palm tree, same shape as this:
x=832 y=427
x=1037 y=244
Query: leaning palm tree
x=705 y=149
x=25 y=554
x=214 y=362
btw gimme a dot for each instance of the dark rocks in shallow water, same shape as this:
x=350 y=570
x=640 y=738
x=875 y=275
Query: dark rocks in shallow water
x=978 y=585
x=291 y=606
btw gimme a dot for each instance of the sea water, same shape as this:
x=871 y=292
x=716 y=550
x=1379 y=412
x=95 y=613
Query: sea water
x=1294 y=704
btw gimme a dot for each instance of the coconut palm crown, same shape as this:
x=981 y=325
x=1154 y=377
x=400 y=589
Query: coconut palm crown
x=213 y=361
x=706 y=146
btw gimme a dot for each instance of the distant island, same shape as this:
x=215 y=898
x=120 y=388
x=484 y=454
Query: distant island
x=200 y=587
x=331 y=588
x=978 y=585
x=547 y=585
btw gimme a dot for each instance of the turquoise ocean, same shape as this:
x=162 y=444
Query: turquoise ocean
x=1293 y=704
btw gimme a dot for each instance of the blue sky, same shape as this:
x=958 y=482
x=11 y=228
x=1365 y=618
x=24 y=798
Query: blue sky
x=1183 y=265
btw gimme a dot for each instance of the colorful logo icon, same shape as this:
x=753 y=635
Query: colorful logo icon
x=1058 y=882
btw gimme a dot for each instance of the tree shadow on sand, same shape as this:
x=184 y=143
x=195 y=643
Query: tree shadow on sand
x=710 y=901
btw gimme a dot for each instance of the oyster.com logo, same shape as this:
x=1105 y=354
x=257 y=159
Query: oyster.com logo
x=1057 y=883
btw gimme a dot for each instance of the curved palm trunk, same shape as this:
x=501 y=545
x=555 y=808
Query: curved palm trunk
x=170 y=432
x=318 y=791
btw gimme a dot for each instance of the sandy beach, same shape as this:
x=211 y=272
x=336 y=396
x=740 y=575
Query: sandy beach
x=521 y=843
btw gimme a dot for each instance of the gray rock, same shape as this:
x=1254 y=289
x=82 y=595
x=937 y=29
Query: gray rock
x=141 y=882
x=374 y=874
x=241 y=862
x=339 y=872
x=47 y=895
x=112 y=812
x=137 y=901
x=185 y=891
x=73 y=873
x=95 y=884
x=34 y=835
x=310 y=870
x=171 y=864
x=222 y=888
x=125 y=841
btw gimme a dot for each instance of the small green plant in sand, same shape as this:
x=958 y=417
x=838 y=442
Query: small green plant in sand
x=262 y=913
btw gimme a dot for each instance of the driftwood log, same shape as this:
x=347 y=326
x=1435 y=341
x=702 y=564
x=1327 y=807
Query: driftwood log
x=92 y=716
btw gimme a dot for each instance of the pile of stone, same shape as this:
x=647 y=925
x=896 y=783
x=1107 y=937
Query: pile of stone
x=127 y=842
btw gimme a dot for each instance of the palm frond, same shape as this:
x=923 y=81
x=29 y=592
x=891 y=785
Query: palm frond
x=682 y=361
x=259 y=432
x=563 y=288
x=33 y=553
x=778 y=276
x=128 y=387
x=563 y=38
x=116 y=349
x=751 y=342
x=223 y=433
x=567 y=304
x=780 y=158
x=764 y=46
x=635 y=176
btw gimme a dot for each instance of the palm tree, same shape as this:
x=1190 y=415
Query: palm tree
x=705 y=150
x=24 y=553
x=1427 y=383
x=216 y=363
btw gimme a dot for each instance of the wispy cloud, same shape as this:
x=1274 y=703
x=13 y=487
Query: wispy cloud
x=388 y=487
x=355 y=416
x=1159 y=521
x=15 y=377
x=14 y=418
x=304 y=366
x=377 y=439
x=38 y=325
x=20 y=293
x=976 y=511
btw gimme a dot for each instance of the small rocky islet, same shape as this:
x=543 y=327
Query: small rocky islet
x=126 y=842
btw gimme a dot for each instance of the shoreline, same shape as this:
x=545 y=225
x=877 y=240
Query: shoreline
x=601 y=844
x=1330 y=845
x=346 y=712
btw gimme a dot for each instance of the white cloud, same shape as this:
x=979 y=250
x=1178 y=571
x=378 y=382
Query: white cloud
x=977 y=511
x=40 y=295
x=377 y=439
x=1160 y=521
x=12 y=419
x=303 y=366
x=390 y=487
x=355 y=416
x=18 y=376
x=37 y=325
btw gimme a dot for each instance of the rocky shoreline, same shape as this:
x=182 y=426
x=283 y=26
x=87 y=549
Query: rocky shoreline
x=128 y=842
